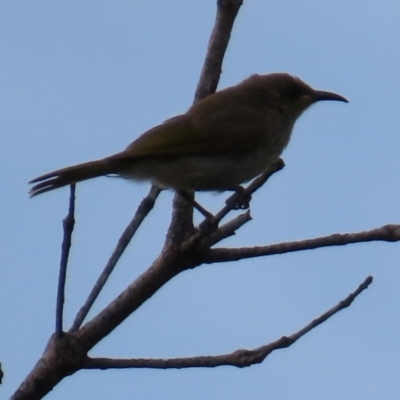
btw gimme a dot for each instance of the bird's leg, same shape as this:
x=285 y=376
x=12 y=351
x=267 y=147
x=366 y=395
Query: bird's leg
x=240 y=200
x=195 y=204
x=209 y=224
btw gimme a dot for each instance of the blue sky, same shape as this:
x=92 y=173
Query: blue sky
x=80 y=80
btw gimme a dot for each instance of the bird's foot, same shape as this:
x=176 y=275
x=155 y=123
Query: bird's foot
x=240 y=200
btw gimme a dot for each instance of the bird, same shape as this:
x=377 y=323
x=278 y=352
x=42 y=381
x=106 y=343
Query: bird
x=222 y=141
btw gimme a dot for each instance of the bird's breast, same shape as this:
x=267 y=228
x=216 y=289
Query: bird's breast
x=202 y=173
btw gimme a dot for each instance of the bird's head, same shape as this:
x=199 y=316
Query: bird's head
x=290 y=94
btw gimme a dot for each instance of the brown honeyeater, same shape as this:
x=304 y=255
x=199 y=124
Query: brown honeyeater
x=222 y=141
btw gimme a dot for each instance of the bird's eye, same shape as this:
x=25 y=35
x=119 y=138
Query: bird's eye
x=295 y=92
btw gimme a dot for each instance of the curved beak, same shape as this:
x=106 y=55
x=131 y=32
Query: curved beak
x=319 y=95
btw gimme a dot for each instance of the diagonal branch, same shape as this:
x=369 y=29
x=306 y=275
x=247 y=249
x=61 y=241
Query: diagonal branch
x=229 y=228
x=142 y=211
x=239 y=358
x=227 y=11
x=387 y=233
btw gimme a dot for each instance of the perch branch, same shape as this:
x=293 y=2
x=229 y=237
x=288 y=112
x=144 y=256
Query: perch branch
x=230 y=205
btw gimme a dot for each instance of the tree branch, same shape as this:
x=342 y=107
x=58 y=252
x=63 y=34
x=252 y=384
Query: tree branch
x=142 y=211
x=387 y=233
x=239 y=358
x=68 y=227
x=227 y=11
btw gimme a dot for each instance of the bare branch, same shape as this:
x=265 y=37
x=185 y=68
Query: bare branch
x=387 y=233
x=68 y=227
x=62 y=357
x=239 y=358
x=227 y=11
x=142 y=211
x=229 y=229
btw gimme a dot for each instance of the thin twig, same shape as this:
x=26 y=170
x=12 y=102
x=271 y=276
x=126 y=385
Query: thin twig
x=142 y=211
x=239 y=358
x=68 y=227
x=387 y=233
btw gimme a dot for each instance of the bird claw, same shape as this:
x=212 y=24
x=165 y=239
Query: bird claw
x=240 y=200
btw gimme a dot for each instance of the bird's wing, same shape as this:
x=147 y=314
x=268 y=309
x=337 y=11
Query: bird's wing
x=208 y=132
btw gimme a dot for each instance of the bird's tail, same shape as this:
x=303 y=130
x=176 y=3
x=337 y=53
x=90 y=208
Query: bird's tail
x=76 y=173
